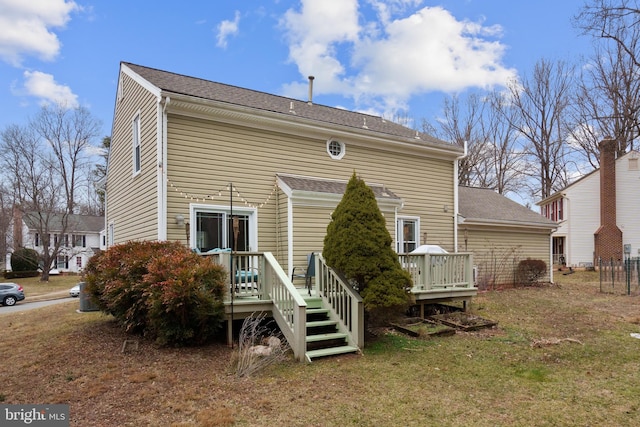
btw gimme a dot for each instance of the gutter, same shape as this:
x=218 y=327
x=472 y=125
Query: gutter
x=456 y=184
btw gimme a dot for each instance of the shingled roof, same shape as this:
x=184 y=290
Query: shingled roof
x=191 y=86
x=485 y=205
x=331 y=186
x=76 y=223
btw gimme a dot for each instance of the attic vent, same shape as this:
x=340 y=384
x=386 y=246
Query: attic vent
x=633 y=164
x=336 y=149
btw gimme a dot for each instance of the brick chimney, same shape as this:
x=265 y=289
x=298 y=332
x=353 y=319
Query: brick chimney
x=608 y=237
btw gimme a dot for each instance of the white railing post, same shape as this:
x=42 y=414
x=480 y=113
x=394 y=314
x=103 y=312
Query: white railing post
x=469 y=271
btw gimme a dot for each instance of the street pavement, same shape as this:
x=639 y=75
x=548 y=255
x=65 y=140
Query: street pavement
x=30 y=303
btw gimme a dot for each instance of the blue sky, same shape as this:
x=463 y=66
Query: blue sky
x=374 y=56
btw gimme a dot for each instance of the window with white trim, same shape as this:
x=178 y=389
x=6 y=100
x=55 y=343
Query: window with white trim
x=336 y=149
x=112 y=234
x=62 y=261
x=408 y=229
x=136 y=144
x=80 y=240
x=217 y=229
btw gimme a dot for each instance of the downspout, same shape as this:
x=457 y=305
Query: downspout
x=161 y=157
x=455 y=196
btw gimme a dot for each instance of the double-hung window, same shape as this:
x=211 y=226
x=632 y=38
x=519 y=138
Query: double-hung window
x=136 y=144
x=62 y=261
x=80 y=240
x=407 y=234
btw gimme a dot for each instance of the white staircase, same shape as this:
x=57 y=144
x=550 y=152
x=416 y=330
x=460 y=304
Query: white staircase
x=323 y=337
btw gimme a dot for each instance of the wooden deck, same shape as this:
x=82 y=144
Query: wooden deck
x=260 y=285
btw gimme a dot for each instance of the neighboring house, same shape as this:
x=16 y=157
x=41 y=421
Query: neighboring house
x=83 y=239
x=500 y=233
x=598 y=213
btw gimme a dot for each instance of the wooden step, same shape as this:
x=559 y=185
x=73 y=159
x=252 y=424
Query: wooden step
x=332 y=351
x=326 y=337
x=319 y=323
x=313 y=302
x=317 y=311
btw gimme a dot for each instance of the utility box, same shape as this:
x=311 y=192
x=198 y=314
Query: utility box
x=85 y=299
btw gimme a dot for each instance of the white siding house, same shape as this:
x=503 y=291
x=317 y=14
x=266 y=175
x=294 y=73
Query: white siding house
x=576 y=209
x=83 y=239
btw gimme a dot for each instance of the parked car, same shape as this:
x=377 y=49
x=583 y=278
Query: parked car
x=75 y=291
x=11 y=293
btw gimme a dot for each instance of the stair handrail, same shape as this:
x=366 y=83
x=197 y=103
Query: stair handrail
x=289 y=308
x=344 y=302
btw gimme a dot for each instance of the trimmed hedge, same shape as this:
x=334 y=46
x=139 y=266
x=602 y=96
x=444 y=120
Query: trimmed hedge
x=20 y=274
x=24 y=259
x=161 y=290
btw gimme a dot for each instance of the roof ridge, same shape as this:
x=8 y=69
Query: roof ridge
x=264 y=93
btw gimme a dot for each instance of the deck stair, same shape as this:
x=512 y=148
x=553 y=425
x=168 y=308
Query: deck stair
x=323 y=337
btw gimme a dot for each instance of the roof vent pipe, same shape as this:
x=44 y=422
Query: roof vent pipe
x=310 y=101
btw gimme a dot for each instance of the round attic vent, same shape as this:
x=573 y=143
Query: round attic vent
x=336 y=149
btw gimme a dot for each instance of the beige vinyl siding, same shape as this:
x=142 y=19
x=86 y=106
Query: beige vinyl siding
x=204 y=156
x=497 y=252
x=132 y=199
x=309 y=231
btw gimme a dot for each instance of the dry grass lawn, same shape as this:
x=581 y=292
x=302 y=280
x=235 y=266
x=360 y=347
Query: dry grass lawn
x=561 y=355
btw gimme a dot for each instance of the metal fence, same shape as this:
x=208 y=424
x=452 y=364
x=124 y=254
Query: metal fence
x=620 y=276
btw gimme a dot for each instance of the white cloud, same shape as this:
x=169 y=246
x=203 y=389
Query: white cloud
x=43 y=86
x=226 y=29
x=26 y=28
x=398 y=52
x=314 y=34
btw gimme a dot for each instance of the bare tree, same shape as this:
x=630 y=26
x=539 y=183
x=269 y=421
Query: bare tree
x=612 y=20
x=505 y=157
x=541 y=100
x=42 y=162
x=461 y=123
x=606 y=103
x=484 y=122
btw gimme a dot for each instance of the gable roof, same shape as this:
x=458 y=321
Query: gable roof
x=331 y=186
x=292 y=108
x=486 y=206
x=76 y=223
x=631 y=154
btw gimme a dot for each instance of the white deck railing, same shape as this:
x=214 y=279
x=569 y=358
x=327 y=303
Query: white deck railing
x=290 y=309
x=434 y=272
x=343 y=301
x=257 y=275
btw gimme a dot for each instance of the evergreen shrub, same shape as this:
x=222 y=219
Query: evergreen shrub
x=358 y=245
x=24 y=259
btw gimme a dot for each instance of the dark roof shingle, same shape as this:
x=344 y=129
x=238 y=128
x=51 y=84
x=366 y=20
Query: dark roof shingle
x=483 y=204
x=330 y=186
x=205 y=89
x=75 y=223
